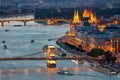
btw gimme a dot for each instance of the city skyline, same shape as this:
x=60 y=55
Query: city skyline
x=59 y=39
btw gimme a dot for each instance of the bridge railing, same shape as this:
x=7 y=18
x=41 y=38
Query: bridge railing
x=42 y=58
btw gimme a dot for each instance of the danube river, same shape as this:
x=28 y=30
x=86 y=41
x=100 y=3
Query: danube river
x=18 y=43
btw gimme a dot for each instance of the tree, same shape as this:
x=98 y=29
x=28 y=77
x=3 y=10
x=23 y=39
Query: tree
x=113 y=60
x=108 y=56
x=96 y=52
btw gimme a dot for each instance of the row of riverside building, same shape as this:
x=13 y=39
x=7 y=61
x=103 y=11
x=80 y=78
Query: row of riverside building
x=86 y=32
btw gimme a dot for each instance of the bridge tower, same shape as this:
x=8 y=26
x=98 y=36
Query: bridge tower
x=51 y=62
x=25 y=23
x=76 y=19
x=50 y=22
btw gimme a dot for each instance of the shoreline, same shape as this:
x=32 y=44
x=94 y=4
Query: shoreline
x=68 y=49
x=101 y=69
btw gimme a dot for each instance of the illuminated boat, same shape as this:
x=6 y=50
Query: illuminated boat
x=64 y=72
x=78 y=61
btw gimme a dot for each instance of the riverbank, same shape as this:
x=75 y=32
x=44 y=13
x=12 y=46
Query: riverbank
x=107 y=67
x=68 y=49
x=104 y=70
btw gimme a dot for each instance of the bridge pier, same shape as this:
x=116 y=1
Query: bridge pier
x=51 y=62
x=2 y=23
x=25 y=23
x=50 y=22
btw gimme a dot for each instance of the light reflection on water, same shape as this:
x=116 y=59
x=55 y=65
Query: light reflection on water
x=38 y=70
x=76 y=70
x=18 y=41
x=80 y=73
x=1 y=72
x=11 y=72
x=51 y=72
x=26 y=71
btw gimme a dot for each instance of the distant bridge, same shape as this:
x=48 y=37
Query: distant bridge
x=48 y=21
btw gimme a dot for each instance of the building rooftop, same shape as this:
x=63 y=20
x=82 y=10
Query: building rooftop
x=113 y=27
x=92 y=31
x=116 y=36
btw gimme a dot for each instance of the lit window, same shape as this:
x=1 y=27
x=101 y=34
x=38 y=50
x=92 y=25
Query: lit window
x=111 y=41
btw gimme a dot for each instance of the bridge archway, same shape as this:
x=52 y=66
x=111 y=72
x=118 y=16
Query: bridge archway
x=13 y=23
x=30 y=23
x=4 y=23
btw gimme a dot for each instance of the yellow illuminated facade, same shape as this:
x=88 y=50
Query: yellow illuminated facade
x=51 y=55
x=72 y=30
x=87 y=41
x=76 y=18
x=51 y=61
x=115 y=42
x=101 y=27
x=87 y=13
x=51 y=51
x=90 y=15
x=108 y=47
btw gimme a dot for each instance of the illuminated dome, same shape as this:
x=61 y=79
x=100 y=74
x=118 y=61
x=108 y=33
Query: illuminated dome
x=87 y=13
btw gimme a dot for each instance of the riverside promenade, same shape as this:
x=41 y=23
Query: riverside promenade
x=68 y=49
x=92 y=60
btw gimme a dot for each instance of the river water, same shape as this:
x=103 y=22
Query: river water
x=18 y=43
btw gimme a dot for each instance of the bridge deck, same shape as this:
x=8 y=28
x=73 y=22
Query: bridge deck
x=45 y=58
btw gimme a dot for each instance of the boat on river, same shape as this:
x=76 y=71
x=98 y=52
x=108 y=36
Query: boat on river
x=103 y=69
x=78 y=61
x=118 y=76
x=64 y=72
x=17 y=25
